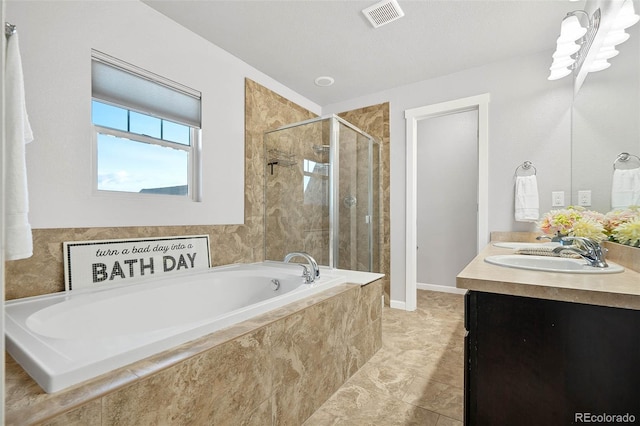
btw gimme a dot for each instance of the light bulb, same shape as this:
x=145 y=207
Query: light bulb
x=599 y=65
x=566 y=48
x=559 y=73
x=626 y=17
x=607 y=52
x=570 y=29
x=561 y=63
x=615 y=37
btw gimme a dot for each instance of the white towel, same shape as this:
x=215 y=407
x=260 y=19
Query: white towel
x=625 y=188
x=18 y=238
x=526 y=199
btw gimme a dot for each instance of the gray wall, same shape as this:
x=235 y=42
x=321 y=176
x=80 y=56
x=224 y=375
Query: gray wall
x=529 y=119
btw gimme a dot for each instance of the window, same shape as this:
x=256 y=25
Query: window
x=147 y=131
x=315 y=182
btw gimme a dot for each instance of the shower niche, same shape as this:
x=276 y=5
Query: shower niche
x=322 y=193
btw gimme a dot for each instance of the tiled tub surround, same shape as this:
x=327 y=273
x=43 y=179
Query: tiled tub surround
x=277 y=368
x=67 y=338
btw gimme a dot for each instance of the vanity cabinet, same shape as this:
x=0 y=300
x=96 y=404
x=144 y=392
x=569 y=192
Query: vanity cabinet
x=533 y=361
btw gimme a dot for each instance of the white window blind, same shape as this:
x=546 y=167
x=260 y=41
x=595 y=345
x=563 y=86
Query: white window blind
x=118 y=82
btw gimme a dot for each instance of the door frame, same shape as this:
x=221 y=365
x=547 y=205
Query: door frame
x=412 y=117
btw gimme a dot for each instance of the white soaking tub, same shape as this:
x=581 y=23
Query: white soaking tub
x=65 y=338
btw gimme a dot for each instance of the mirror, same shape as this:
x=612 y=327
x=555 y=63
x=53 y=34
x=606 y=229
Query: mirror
x=606 y=122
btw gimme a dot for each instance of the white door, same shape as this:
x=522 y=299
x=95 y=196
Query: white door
x=447 y=197
x=414 y=116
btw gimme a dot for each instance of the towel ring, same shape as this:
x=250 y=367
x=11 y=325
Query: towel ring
x=527 y=165
x=624 y=157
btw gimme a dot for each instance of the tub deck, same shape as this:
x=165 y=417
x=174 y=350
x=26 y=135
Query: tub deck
x=67 y=338
x=26 y=403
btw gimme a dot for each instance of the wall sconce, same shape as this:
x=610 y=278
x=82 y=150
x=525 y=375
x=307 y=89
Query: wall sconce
x=575 y=41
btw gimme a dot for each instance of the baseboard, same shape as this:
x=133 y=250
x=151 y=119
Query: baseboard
x=397 y=304
x=441 y=288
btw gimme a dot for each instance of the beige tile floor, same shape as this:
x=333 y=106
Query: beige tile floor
x=416 y=378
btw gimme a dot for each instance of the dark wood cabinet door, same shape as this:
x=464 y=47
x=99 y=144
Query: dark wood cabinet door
x=541 y=362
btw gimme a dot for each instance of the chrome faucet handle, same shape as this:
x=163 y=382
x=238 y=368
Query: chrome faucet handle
x=305 y=272
x=590 y=250
x=589 y=244
x=310 y=276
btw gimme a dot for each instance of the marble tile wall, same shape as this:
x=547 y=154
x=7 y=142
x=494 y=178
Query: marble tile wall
x=264 y=110
x=275 y=369
x=297 y=219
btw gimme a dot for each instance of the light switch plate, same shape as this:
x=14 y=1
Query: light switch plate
x=557 y=199
x=584 y=198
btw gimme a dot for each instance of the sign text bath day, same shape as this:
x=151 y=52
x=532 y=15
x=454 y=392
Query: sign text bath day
x=112 y=261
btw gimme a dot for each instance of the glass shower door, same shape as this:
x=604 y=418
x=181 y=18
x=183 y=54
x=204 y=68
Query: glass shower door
x=356 y=223
x=297 y=191
x=322 y=194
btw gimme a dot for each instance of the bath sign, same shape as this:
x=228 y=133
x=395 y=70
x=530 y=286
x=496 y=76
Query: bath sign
x=91 y=263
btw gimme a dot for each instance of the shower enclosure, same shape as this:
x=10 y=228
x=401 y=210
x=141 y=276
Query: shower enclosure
x=322 y=186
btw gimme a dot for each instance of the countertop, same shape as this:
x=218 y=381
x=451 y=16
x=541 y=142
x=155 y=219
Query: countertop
x=621 y=290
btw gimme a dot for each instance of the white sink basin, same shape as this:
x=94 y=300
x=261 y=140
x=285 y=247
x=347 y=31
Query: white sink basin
x=550 y=264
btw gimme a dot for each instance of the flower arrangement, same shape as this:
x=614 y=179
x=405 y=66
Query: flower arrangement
x=574 y=221
x=621 y=226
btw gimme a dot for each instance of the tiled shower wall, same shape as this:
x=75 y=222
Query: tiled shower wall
x=264 y=110
x=298 y=215
x=296 y=219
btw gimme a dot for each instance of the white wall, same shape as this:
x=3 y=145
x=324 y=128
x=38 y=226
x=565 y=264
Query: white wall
x=529 y=119
x=56 y=38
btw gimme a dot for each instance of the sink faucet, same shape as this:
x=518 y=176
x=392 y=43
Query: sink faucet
x=591 y=251
x=309 y=276
x=556 y=239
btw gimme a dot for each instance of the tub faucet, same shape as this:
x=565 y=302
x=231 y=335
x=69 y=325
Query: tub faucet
x=309 y=276
x=591 y=251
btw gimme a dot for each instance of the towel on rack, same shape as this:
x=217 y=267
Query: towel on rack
x=526 y=199
x=625 y=188
x=18 y=238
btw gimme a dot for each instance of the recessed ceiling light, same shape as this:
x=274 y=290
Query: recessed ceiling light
x=324 y=81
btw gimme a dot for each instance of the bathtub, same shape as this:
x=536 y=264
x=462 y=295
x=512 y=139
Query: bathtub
x=66 y=338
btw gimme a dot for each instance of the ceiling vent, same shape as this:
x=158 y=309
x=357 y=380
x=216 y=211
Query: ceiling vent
x=383 y=12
